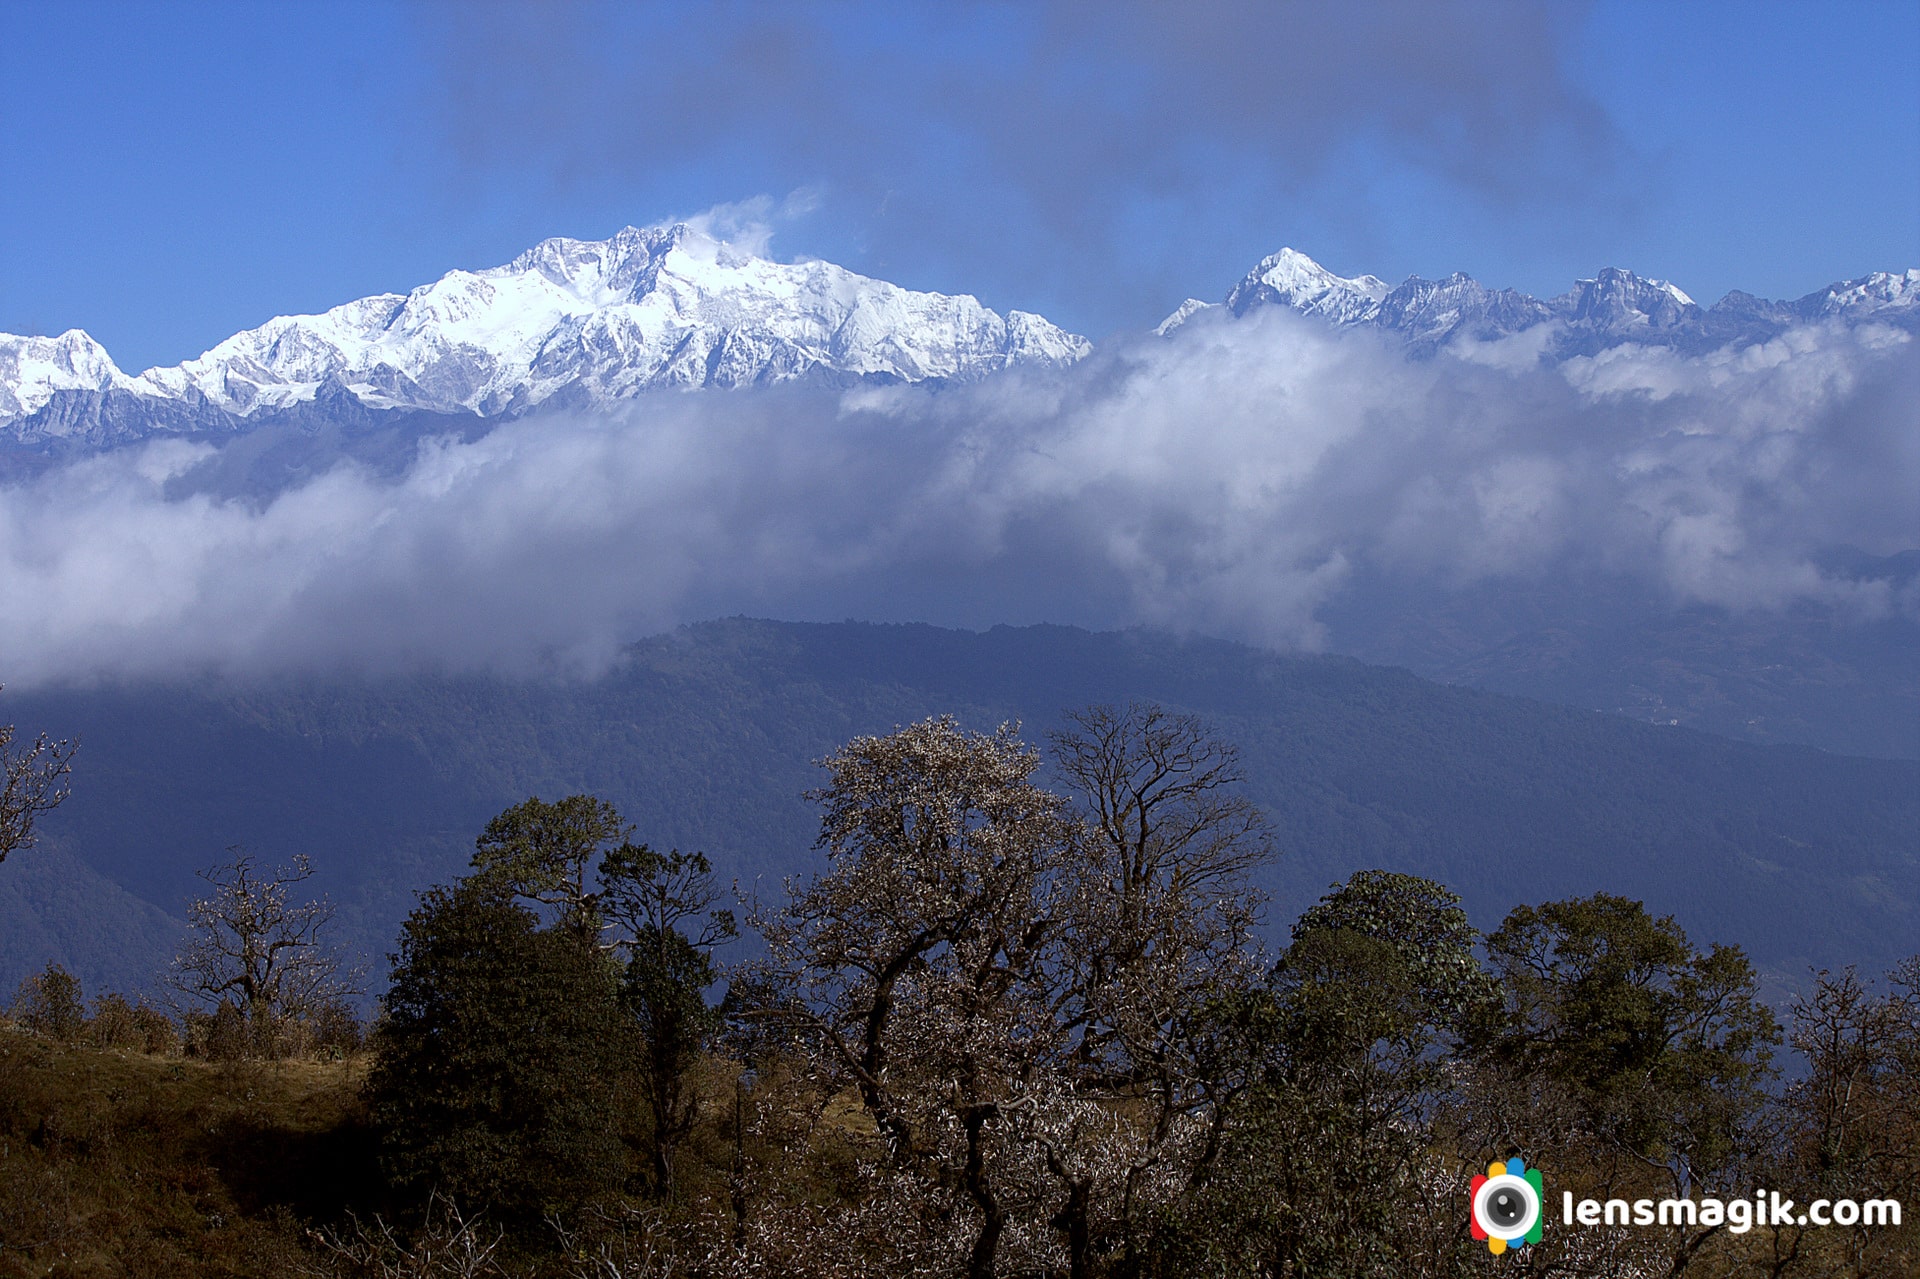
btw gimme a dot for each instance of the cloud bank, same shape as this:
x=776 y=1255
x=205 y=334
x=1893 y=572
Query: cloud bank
x=1009 y=145
x=1230 y=479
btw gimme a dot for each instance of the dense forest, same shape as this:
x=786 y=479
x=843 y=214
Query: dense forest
x=707 y=738
x=1017 y=1019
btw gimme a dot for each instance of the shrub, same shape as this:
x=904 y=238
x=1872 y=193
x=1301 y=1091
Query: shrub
x=49 y=1004
x=112 y=1025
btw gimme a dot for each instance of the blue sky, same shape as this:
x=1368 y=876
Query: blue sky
x=172 y=173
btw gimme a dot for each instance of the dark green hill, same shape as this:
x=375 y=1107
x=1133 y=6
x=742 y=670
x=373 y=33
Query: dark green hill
x=705 y=738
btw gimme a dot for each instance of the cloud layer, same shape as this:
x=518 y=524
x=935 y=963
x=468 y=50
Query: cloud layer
x=1229 y=479
x=1018 y=147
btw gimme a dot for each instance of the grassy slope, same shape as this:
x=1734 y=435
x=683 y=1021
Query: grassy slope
x=121 y=1164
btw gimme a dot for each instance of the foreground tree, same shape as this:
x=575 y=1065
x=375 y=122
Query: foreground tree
x=500 y=1059
x=573 y=859
x=33 y=780
x=1626 y=1057
x=1021 y=996
x=1354 y=1036
x=920 y=960
x=568 y=971
x=1850 y=1127
x=663 y=905
x=253 y=949
x=1665 y=1049
x=1159 y=942
x=546 y=853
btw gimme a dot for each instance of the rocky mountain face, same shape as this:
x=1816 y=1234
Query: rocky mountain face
x=567 y=324
x=1614 y=308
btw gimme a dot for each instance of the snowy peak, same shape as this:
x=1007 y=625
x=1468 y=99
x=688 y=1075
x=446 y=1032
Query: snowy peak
x=1430 y=313
x=1618 y=306
x=1617 y=298
x=586 y=324
x=1291 y=278
x=1882 y=291
x=1182 y=313
x=1614 y=307
x=574 y=323
x=598 y=272
x=34 y=369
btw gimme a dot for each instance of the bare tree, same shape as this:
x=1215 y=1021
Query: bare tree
x=921 y=958
x=32 y=781
x=254 y=948
x=1162 y=912
x=1021 y=996
x=447 y=1245
x=1158 y=791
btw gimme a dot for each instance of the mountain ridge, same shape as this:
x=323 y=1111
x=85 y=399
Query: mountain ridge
x=586 y=324
x=1613 y=308
x=705 y=737
x=567 y=321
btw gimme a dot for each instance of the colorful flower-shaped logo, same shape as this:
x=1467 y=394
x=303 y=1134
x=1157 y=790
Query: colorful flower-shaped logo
x=1506 y=1206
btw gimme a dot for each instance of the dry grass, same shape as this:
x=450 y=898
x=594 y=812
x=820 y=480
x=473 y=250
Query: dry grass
x=118 y=1163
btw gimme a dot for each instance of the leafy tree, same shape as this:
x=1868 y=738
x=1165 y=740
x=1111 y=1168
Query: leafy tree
x=655 y=909
x=253 y=948
x=33 y=781
x=49 y=1004
x=1354 y=1035
x=501 y=1058
x=1422 y=925
x=1666 y=1048
x=545 y=852
x=664 y=902
x=1626 y=1056
x=552 y=873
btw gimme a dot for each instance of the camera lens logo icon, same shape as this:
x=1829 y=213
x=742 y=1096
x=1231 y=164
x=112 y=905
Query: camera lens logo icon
x=1506 y=1206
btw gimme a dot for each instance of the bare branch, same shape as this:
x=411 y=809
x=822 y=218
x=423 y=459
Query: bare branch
x=252 y=946
x=33 y=781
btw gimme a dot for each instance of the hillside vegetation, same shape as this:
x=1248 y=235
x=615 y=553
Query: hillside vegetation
x=706 y=738
x=1012 y=1023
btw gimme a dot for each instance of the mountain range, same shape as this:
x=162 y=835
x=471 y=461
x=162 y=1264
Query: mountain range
x=1614 y=308
x=592 y=324
x=578 y=324
x=567 y=324
x=704 y=736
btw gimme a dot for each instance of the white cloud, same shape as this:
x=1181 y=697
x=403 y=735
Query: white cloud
x=1229 y=478
x=747 y=226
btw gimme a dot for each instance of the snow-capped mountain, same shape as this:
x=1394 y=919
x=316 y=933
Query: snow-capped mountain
x=1291 y=278
x=35 y=369
x=586 y=324
x=569 y=323
x=1613 y=308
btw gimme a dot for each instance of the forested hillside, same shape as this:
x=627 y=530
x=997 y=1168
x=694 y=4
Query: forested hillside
x=706 y=738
